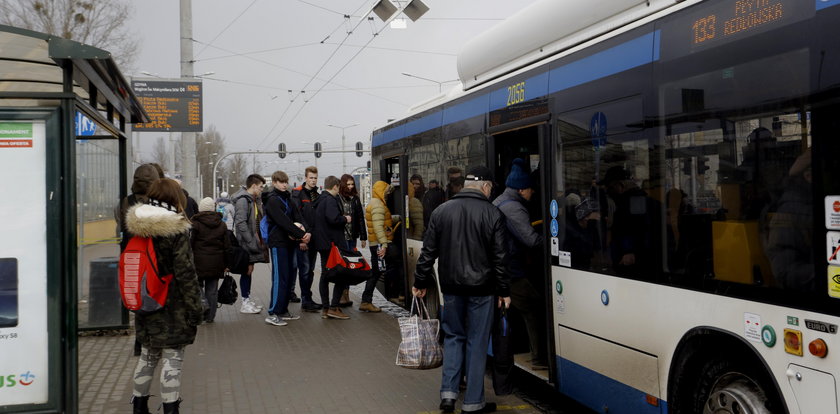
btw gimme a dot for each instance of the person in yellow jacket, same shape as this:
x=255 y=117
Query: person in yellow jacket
x=415 y=215
x=380 y=235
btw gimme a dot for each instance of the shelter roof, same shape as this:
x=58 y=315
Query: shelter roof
x=32 y=66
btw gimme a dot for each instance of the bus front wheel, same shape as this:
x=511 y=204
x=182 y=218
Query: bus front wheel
x=729 y=387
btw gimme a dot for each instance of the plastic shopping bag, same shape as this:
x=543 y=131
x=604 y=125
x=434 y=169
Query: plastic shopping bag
x=419 y=348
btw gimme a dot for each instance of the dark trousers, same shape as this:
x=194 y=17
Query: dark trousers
x=245 y=286
x=324 y=286
x=210 y=289
x=306 y=274
x=282 y=273
x=525 y=299
x=375 y=274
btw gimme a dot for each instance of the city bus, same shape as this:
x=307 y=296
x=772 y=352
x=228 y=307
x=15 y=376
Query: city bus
x=689 y=197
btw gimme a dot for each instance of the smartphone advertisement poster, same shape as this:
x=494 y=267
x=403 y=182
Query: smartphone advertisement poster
x=24 y=365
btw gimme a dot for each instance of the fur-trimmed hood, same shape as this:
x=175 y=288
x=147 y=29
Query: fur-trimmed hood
x=152 y=221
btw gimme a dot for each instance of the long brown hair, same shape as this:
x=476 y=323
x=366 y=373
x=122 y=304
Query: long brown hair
x=168 y=191
x=344 y=190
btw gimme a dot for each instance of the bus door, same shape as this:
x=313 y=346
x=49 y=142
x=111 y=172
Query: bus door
x=395 y=284
x=532 y=344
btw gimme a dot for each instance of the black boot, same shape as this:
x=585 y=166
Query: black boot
x=141 y=404
x=447 y=405
x=171 y=408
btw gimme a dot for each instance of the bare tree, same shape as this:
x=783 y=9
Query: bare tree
x=100 y=23
x=210 y=146
x=160 y=154
x=235 y=173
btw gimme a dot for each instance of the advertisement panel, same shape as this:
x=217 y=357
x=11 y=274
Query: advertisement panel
x=23 y=265
x=172 y=105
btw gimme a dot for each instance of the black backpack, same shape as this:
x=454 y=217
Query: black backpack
x=227 y=291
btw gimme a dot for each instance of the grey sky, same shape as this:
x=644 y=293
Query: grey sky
x=279 y=49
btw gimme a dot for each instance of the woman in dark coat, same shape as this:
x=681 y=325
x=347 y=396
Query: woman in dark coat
x=351 y=206
x=356 y=229
x=329 y=230
x=209 y=243
x=165 y=333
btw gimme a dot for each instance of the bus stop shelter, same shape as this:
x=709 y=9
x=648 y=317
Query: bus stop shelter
x=64 y=110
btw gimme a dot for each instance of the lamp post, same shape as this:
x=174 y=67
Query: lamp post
x=343 y=156
x=440 y=84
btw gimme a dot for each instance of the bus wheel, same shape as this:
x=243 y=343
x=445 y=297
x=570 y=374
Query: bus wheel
x=728 y=387
x=736 y=394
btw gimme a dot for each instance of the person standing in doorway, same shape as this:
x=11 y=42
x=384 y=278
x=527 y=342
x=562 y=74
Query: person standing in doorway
x=467 y=236
x=522 y=240
x=247 y=214
x=304 y=198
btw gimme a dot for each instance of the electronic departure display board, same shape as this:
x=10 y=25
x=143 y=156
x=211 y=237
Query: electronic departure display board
x=715 y=23
x=173 y=105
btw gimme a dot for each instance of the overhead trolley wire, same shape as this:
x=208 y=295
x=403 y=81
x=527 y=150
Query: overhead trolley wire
x=226 y=27
x=312 y=78
x=327 y=82
x=320 y=7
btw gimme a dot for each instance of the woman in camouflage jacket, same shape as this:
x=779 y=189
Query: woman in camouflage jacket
x=165 y=333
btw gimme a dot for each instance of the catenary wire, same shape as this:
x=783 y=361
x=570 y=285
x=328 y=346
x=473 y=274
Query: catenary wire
x=226 y=27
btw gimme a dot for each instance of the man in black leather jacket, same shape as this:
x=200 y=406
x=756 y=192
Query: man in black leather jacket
x=467 y=234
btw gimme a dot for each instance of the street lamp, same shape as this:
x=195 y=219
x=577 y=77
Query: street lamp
x=343 y=155
x=440 y=84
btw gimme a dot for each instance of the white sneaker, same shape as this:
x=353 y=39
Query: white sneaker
x=275 y=320
x=247 y=307
x=254 y=303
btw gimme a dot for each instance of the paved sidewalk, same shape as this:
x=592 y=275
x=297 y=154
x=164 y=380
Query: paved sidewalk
x=239 y=364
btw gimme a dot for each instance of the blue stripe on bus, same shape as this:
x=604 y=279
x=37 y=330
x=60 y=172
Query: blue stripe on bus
x=598 y=391
x=466 y=110
x=821 y=4
x=628 y=55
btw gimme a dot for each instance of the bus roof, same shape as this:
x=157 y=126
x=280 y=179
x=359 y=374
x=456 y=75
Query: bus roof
x=543 y=29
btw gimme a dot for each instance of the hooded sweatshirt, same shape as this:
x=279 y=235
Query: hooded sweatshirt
x=378 y=216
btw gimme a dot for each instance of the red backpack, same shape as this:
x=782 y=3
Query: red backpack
x=142 y=288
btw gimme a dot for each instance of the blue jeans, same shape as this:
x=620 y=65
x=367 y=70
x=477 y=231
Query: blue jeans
x=282 y=272
x=306 y=274
x=467 y=321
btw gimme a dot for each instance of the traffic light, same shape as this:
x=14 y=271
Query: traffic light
x=318 y=150
x=281 y=150
x=686 y=166
x=701 y=165
x=360 y=149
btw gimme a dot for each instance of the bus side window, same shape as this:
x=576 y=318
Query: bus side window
x=743 y=194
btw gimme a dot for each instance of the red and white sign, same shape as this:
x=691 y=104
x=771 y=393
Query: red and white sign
x=15 y=143
x=832 y=212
